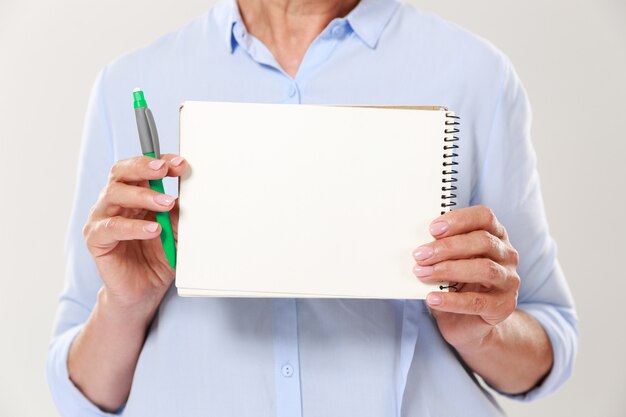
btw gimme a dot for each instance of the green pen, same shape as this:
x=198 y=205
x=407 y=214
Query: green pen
x=149 y=139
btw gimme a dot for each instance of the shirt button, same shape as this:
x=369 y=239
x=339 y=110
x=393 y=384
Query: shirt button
x=239 y=31
x=337 y=31
x=287 y=370
x=292 y=91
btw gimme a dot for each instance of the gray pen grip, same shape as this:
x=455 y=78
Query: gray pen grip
x=148 y=136
x=153 y=133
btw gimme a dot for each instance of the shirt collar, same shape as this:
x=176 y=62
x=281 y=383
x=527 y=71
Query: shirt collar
x=368 y=20
x=370 y=17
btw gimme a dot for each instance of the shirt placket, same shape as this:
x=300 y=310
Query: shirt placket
x=318 y=53
x=286 y=357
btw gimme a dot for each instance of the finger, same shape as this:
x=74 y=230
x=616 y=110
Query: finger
x=466 y=220
x=177 y=165
x=493 y=307
x=483 y=271
x=471 y=245
x=106 y=233
x=117 y=195
x=138 y=169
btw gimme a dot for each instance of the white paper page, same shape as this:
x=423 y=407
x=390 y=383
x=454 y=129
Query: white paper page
x=306 y=200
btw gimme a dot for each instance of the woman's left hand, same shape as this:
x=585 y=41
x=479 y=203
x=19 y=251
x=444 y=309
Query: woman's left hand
x=472 y=250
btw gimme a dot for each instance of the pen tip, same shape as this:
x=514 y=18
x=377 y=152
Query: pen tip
x=136 y=90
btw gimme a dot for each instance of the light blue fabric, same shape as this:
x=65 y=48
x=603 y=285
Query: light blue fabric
x=311 y=357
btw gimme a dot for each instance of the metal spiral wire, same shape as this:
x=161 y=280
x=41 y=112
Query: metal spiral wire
x=450 y=151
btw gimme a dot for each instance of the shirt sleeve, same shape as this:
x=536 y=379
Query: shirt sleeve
x=82 y=280
x=509 y=184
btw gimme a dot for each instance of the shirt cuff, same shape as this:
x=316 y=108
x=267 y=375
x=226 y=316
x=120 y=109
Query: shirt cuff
x=560 y=326
x=70 y=402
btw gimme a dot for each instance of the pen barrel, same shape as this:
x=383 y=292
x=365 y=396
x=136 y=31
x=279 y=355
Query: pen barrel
x=167 y=232
x=163 y=218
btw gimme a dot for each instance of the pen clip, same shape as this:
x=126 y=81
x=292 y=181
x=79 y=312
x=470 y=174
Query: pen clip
x=154 y=136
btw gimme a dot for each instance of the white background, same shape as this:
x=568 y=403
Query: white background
x=571 y=56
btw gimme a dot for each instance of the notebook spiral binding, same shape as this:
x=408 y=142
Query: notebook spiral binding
x=448 y=198
x=449 y=180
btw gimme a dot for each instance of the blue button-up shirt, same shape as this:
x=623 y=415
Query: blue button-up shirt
x=317 y=357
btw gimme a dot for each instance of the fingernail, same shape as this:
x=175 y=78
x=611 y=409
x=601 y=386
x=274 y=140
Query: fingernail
x=438 y=228
x=156 y=164
x=163 y=199
x=423 y=271
x=434 y=299
x=177 y=161
x=422 y=253
x=151 y=227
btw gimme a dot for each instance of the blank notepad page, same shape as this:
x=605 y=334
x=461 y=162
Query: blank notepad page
x=306 y=201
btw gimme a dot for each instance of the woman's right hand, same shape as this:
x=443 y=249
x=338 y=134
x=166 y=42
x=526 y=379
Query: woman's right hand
x=124 y=238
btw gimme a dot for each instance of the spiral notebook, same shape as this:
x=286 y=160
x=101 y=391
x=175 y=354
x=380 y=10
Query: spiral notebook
x=311 y=200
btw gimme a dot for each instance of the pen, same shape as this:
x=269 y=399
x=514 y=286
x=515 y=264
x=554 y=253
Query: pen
x=149 y=139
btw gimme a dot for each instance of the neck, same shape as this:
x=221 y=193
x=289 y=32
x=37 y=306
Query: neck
x=288 y=27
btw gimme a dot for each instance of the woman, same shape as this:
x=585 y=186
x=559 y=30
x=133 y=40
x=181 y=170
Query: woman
x=126 y=344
